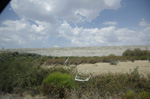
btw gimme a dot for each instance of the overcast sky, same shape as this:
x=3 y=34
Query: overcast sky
x=74 y=23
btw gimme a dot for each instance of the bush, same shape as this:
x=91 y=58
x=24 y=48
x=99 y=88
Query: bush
x=17 y=75
x=144 y=95
x=130 y=94
x=128 y=52
x=61 y=70
x=136 y=52
x=20 y=71
x=56 y=83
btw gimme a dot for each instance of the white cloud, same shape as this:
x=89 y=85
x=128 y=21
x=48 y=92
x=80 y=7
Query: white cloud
x=128 y=37
x=67 y=10
x=145 y=35
x=36 y=28
x=107 y=36
x=22 y=33
x=110 y=23
x=51 y=20
x=112 y=3
x=144 y=23
x=56 y=46
x=48 y=17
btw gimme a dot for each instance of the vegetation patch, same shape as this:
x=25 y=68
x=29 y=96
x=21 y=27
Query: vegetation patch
x=128 y=55
x=56 y=83
x=21 y=72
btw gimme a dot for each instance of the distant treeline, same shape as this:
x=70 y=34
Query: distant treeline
x=131 y=55
x=136 y=52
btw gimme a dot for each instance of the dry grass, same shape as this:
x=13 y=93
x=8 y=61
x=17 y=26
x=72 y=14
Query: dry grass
x=121 y=67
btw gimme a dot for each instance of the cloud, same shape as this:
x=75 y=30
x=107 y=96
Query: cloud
x=67 y=10
x=145 y=35
x=22 y=33
x=80 y=36
x=110 y=23
x=112 y=3
x=144 y=23
x=106 y=36
x=43 y=23
x=56 y=46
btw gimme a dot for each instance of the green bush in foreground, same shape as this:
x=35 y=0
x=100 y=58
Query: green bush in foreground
x=144 y=95
x=130 y=94
x=56 y=83
x=20 y=72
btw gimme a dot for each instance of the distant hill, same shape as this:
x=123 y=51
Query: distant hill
x=77 y=51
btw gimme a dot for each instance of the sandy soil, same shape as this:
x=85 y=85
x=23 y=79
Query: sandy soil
x=121 y=67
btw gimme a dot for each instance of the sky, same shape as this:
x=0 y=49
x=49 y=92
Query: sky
x=74 y=23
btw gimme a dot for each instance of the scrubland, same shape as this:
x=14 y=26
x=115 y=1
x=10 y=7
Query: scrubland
x=24 y=75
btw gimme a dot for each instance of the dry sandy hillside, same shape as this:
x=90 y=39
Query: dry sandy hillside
x=78 y=51
x=121 y=67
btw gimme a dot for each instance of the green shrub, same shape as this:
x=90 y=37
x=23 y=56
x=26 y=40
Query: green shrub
x=130 y=94
x=20 y=71
x=61 y=70
x=144 y=95
x=128 y=52
x=142 y=57
x=56 y=83
x=136 y=52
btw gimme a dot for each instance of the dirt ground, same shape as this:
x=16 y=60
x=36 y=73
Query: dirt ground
x=121 y=67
